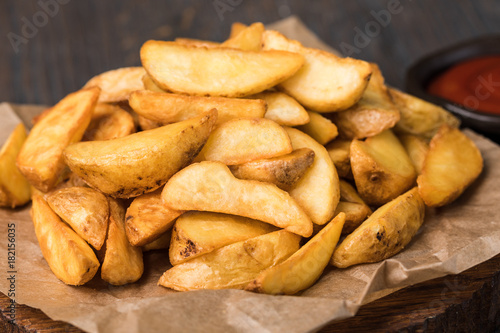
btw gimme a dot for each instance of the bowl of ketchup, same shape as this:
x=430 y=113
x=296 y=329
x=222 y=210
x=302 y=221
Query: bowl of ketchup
x=465 y=80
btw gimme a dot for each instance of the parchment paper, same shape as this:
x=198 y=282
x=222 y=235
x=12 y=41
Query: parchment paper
x=451 y=240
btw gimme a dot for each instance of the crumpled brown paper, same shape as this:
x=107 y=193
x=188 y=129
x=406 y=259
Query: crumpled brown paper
x=452 y=239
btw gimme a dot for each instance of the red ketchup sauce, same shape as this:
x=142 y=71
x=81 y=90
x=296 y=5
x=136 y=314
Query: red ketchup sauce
x=474 y=83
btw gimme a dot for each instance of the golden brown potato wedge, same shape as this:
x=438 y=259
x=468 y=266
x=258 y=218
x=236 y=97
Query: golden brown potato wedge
x=41 y=157
x=69 y=257
x=148 y=218
x=147 y=124
x=141 y=162
x=319 y=128
x=168 y=108
x=420 y=117
x=122 y=262
x=340 y=153
x=85 y=210
x=109 y=122
x=355 y=209
x=302 y=268
x=374 y=113
x=210 y=186
x=417 y=149
x=14 y=188
x=161 y=243
x=317 y=192
x=381 y=168
x=236 y=28
x=248 y=39
x=283 y=109
x=283 y=171
x=216 y=71
x=197 y=233
x=452 y=164
x=116 y=85
x=234 y=265
x=197 y=42
x=348 y=193
x=385 y=233
x=245 y=139
x=326 y=82
x=149 y=84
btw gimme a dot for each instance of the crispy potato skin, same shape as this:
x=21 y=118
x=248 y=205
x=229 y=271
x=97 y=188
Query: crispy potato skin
x=116 y=85
x=141 y=162
x=452 y=163
x=69 y=257
x=385 y=233
x=283 y=171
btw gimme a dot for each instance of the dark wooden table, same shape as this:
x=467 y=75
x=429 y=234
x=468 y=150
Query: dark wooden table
x=52 y=47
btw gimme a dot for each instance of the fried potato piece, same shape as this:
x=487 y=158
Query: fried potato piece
x=147 y=124
x=69 y=257
x=283 y=109
x=141 y=162
x=196 y=42
x=85 y=210
x=452 y=164
x=150 y=85
x=373 y=114
x=14 y=188
x=122 y=262
x=197 y=233
x=168 y=108
x=303 y=268
x=381 y=168
x=236 y=28
x=385 y=233
x=147 y=218
x=161 y=243
x=109 y=122
x=41 y=157
x=232 y=266
x=340 y=153
x=420 y=117
x=355 y=209
x=283 y=171
x=245 y=139
x=216 y=71
x=326 y=82
x=248 y=39
x=210 y=186
x=319 y=128
x=116 y=85
x=417 y=149
x=317 y=192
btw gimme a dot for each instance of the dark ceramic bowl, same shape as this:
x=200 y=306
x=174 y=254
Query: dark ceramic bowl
x=424 y=70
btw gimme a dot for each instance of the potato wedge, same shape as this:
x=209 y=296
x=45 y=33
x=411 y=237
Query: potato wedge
x=283 y=109
x=232 y=266
x=69 y=257
x=41 y=157
x=141 y=162
x=381 y=168
x=85 y=210
x=161 y=243
x=116 y=85
x=302 y=268
x=417 y=149
x=109 y=122
x=373 y=114
x=420 y=117
x=355 y=209
x=149 y=84
x=168 y=108
x=340 y=153
x=452 y=164
x=123 y=262
x=216 y=71
x=147 y=124
x=283 y=171
x=14 y=188
x=318 y=201
x=326 y=82
x=210 y=186
x=147 y=218
x=236 y=28
x=245 y=139
x=319 y=128
x=248 y=39
x=197 y=233
x=196 y=42
x=385 y=233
